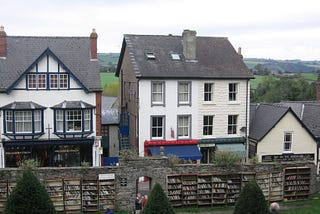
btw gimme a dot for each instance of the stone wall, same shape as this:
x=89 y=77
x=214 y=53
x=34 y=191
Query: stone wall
x=157 y=169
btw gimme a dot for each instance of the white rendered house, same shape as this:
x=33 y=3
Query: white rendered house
x=183 y=93
x=50 y=98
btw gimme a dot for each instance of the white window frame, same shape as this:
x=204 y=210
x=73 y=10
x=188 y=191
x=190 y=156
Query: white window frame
x=233 y=91
x=157 y=91
x=63 y=81
x=184 y=93
x=54 y=79
x=73 y=118
x=32 y=81
x=87 y=119
x=157 y=128
x=208 y=93
x=184 y=127
x=287 y=142
x=207 y=129
x=9 y=121
x=37 y=121
x=59 y=121
x=23 y=121
x=232 y=124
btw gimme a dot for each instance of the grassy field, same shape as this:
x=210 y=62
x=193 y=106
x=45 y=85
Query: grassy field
x=107 y=78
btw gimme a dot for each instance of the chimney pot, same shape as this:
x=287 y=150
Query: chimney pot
x=189 y=43
x=3 y=43
x=93 y=44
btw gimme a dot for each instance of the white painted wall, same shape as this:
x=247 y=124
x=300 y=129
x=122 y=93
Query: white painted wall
x=272 y=144
x=221 y=107
x=47 y=98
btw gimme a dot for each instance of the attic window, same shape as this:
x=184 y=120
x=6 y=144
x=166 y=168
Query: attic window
x=175 y=56
x=150 y=55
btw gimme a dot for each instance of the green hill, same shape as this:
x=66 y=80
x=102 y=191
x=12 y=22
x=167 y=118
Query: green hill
x=290 y=66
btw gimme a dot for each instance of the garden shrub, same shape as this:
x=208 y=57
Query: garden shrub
x=158 y=202
x=29 y=196
x=226 y=159
x=251 y=200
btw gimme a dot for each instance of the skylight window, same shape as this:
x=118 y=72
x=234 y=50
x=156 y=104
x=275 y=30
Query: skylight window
x=175 y=56
x=150 y=55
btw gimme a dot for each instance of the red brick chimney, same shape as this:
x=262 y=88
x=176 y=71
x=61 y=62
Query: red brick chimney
x=3 y=43
x=93 y=44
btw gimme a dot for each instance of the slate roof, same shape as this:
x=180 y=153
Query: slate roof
x=109 y=115
x=74 y=52
x=22 y=106
x=72 y=105
x=216 y=58
x=308 y=112
x=264 y=118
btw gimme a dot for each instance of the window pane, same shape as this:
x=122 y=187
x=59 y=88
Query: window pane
x=59 y=120
x=32 y=81
x=42 y=83
x=207 y=125
x=23 y=121
x=87 y=119
x=73 y=120
x=53 y=81
x=287 y=141
x=157 y=127
x=232 y=124
x=9 y=124
x=208 y=90
x=183 y=126
x=63 y=81
x=183 y=93
x=37 y=121
x=157 y=93
x=232 y=91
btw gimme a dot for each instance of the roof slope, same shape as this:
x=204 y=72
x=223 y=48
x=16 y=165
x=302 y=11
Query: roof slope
x=215 y=58
x=309 y=113
x=74 y=52
x=265 y=117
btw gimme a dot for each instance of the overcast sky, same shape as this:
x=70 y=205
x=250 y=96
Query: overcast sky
x=277 y=29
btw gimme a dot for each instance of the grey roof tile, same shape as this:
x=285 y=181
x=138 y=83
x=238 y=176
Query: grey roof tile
x=215 y=58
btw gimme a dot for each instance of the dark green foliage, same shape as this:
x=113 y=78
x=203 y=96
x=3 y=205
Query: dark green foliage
x=272 y=89
x=158 y=202
x=251 y=200
x=29 y=196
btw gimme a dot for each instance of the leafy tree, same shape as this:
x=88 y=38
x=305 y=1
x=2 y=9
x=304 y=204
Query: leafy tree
x=29 y=196
x=158 y=202
x=251 y=200
x=283 y=89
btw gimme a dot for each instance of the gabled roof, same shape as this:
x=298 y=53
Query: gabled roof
x=215 y=58
x=72 y=105
x=74 y=52
x=308 y=112
x=264 y=117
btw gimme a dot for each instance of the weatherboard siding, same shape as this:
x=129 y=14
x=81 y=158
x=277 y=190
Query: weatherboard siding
x=221 y=107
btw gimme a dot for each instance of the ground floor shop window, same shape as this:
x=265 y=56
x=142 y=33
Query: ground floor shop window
x=46 y=156
x=207 y=154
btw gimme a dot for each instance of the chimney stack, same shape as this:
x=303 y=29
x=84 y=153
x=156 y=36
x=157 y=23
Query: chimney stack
x=189 y=43
x=3 y=43
x=239 y=52
x=93 y=44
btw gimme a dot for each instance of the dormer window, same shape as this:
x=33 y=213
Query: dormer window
x=175 y=56
x=150 y=56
